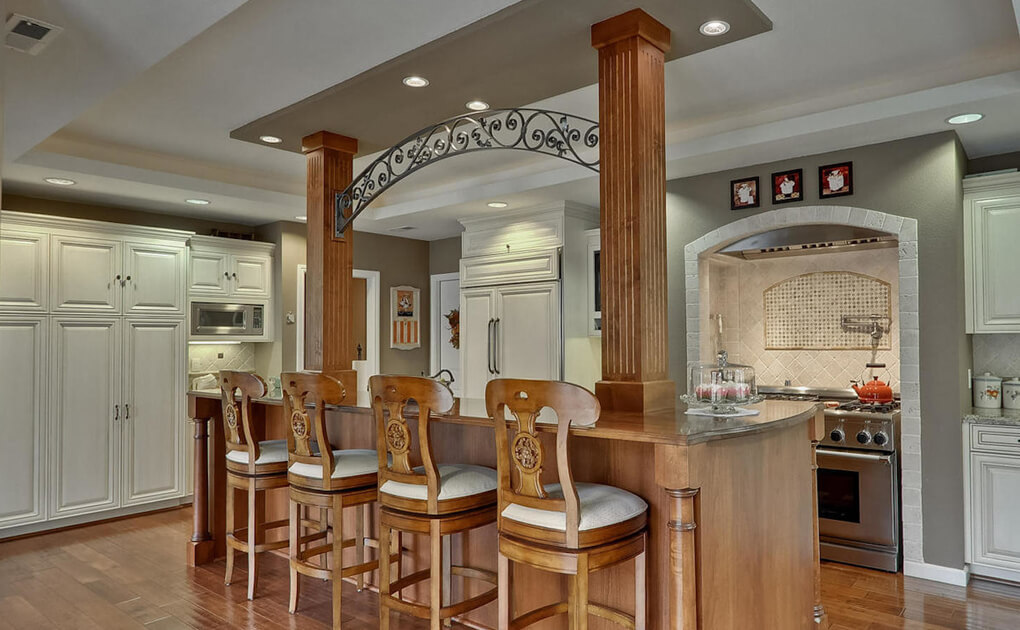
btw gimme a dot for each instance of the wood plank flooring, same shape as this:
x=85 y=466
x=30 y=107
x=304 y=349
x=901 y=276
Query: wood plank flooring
x=131 y=574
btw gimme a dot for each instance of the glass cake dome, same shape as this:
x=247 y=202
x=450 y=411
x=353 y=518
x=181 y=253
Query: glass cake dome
x=722 y=385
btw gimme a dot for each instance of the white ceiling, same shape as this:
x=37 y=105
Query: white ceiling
x=831 y=74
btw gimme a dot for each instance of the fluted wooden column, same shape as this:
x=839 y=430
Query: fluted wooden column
x=329 y=337
x=632 y=185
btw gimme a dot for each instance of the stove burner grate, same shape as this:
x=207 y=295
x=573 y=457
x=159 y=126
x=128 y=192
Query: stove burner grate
x=856 y=405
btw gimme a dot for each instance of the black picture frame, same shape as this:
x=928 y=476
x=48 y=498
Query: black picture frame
x=734 y=195
x=847 y=168
x=798 y=190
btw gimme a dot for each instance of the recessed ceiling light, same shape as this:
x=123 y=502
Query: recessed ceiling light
x=963 y=119
x=477 y=106
x=415 y=81
x=301 y=217
x=270 y=139
x=714 y=27
x=497 y=204
x=60 y=181
x=197 y=202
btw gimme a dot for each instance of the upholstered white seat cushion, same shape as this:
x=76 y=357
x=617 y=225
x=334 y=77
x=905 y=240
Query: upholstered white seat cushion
x=455 y=481
x=270 y=452
x=346 y=463
x=600 y=506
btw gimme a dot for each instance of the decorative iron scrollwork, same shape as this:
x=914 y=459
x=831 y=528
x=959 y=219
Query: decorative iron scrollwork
x=552 y=133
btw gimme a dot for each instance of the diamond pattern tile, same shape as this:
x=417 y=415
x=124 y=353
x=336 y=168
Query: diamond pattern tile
x=998 y=354
x=205 y=359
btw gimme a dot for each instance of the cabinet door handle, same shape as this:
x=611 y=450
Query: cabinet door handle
x=117 y=278
x=496 y=346
x=234 y=275
x=488 y=341
x=116 y=413
x=226 y=274
x=127 y=412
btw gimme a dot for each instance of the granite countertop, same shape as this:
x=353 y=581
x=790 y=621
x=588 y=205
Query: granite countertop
x=993 y=416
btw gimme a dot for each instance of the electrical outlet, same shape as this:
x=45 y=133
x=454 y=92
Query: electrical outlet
x=196 y=365
x=219 y=355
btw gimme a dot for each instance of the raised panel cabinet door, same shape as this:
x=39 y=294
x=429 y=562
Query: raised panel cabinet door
x=996 y=510
x=154 y=279
x=153 y=395
x=84 y=415
x=86 y=275
x=22 y=416
x=528 y=331
x=208 y=272
x=23 y=271
x=998 y=259
x=251 y=276
x=477 y=316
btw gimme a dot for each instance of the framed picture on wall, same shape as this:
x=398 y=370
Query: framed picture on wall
x=836 y=180
x=744 y=193
x=405 y=318
x=788 y=186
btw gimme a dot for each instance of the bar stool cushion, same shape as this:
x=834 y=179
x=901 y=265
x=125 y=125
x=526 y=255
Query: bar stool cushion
x=346 y=463
x=270 y=452
x=600 y=506
x=455 y=481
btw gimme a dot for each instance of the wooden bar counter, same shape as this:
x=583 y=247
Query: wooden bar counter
x=733 y=541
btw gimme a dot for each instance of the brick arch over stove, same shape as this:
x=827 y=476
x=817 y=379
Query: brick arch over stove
x=905 y=230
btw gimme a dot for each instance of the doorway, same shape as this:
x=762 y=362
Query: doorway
x=444 y=351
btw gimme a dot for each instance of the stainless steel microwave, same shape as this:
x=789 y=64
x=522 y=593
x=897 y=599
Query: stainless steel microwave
x=227 y=320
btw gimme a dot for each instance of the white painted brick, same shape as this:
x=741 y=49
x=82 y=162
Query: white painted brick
x=693 y=296
x=840 y=214
x=912 y=531
x=910 y=407
x=911 y=462
x=893 y=224
x=908 y=250
x=908 y=301
x=693 y=310
x=693 y=325
x=692 y=281
x=912 y=480
x=690 y=267
x=875 y=220
x=908 y=286
x=911 y=444
x=908 y=267
x=910 y=427
x=690 y=253
x=858 y=217
x=913 y=551
x=909 y=338
x=908 y=321
x=910 y=372
x=911 y=497
x=909 y=230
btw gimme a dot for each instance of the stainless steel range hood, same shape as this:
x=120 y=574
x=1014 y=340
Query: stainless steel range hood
x=799 y=240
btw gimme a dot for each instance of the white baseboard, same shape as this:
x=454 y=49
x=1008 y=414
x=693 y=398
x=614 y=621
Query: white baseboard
x=936 y=573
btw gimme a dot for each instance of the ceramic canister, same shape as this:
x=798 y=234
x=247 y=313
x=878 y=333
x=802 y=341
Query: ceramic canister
x=987 y=391
x=1011 y=393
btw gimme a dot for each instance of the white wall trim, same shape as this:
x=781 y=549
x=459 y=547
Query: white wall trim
x=936 y=573
x=435 y=320
x=905 y=230
x=299 y=355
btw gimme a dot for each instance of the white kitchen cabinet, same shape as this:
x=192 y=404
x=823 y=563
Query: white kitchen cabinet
x=87 y=274
x=153 y=282
x=230 y=268
x=24 y=271
x=593 y=271
x=477 y=314
x=992 y=487
x=23 y=395
x=86 y=413
x=151 y=420
x=991 y=226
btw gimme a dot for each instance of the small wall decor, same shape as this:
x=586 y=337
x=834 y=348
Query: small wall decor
x=788 y=186
x=744 y=193
x=405 y=318
x=835 y=180
x=453 y=325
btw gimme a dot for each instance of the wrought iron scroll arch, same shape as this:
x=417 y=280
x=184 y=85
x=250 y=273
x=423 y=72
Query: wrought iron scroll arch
x=557 y=134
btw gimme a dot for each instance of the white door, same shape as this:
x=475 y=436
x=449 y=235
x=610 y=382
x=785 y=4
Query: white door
x=528 y=331
x=444 y=297
x=208 y=273
x=477 y=321
x=996 y=510
x=85 y=415
x=996 y=261
x=87 y=275
x=154 y=279
x=151 y=418
x=250 y=276
x=22 y=414
x=23 y=271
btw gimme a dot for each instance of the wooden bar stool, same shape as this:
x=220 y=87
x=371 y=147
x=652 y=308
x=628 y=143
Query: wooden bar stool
x=252 y=466
x=328 y=479
x=567 y=528
x=432 y=499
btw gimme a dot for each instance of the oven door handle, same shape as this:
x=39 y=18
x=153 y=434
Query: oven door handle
x=887 y=459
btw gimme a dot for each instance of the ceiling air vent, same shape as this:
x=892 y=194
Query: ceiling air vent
x=29 y=35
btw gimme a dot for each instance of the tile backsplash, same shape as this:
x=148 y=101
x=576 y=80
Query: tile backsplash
x=998 y=354
x=736 y=291
x=205 y=359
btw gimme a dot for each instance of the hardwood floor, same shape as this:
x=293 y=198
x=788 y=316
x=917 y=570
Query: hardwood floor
x=131 y=574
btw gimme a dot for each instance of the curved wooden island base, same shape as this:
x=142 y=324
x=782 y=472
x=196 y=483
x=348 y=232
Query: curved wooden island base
x=732 y=541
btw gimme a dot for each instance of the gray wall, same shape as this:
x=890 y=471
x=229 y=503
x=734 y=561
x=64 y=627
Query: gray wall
x=919 y=178
x=444 y=255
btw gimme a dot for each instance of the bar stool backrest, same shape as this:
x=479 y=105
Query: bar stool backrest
x=237 y=417
x=391 y=396
x=521 y=458
x=305 y=396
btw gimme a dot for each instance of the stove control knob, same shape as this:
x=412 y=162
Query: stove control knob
x=880 y=438
x=863 y=437
x=837 y=435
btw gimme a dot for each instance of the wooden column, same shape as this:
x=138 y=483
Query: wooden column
x=632 y=185
x=202 y=546
x=816 y=432
x=683 y=568
x=329 y=338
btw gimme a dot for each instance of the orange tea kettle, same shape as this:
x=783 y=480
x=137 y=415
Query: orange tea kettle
x=873 y=391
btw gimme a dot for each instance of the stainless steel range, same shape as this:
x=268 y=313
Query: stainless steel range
x=858 y=477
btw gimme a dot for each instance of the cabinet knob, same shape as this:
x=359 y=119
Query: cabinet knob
x=234 y=275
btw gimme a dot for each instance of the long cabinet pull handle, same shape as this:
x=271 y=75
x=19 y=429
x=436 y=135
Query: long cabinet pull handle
x=116 y=413
x=488 y=342
x=127 y=412
x=226 y=274
x=495 y=346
